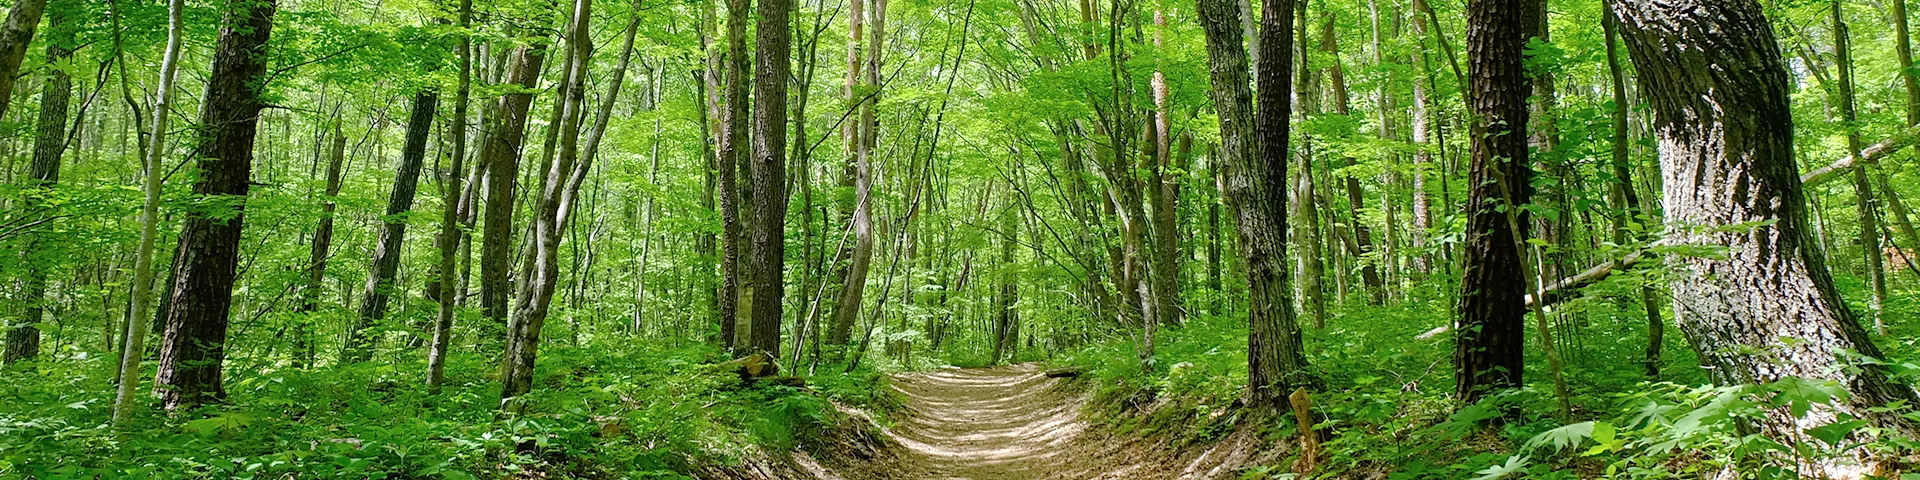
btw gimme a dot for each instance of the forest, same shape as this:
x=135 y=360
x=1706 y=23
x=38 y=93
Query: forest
x=959 y=239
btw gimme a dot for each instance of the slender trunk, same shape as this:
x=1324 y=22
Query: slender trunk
x=1626 y=200
x=1360 y=240
x=862 y=135
x=386 y=253
x=542 y=272
x=1865 y=205
x=733 y=155
x=1305 y=203
x=205 y=264
x=132 y=348
x=1423 y=151
x=1254 y=184
x=451 y=234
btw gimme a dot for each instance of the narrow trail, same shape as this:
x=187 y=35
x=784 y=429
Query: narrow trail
x=1009 y=422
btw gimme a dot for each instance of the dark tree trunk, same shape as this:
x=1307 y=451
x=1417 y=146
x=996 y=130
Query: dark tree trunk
x=23 y=340
x=204 y=265
x=386 y=254
x=1254 y=184
x=320 y=251
x=505 y=133
x=731 y=158
x=1488 y=353
x=1719 y=94
x=767 y=242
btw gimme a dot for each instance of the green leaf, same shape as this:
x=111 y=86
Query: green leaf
x=1834 y=433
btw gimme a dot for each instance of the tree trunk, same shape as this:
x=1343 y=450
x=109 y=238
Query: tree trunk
x=1305 y=204
x=1719 y=95
x=451 y=233
x=386 y=254
x=1865 y=205
x=767 y=248
x=1253 y=156
x=732 y=157
x=505 y=133
x=1491 y=332
x=1625 y=198
x=133 y=347
x=204 y=265
x=542 y=272
x=1360 y=243
x=15 y=35
x=23 y=340
x=1423 y=151
x=861 y=135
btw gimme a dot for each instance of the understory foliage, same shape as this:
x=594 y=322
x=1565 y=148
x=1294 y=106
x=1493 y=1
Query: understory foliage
x=1388 y=408
x=603 y=410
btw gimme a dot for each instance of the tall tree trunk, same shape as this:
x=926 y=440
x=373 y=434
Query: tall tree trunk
x=862 y=135
x=386 y=253
x=1360 y=243
x=1005 y=300
x=505 y=133
x=1165 y=193
x=451 y=234
x=1423 y=141
x=1305 y=205
x=1626 y=199
x=1719 y=94
x=321 y=250
x=1903 y=51
x=1865 y=204
x=1255 y=186
x=1491 y=333
x=23 y=340
x=133 y=347
x=733 y=155
x=194 y=347
x=767 y=247
x=542 y=270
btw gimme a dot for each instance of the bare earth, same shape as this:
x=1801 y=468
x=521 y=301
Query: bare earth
x=1006 y=423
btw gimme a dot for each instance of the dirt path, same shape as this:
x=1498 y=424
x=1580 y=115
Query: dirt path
x=1005 y=422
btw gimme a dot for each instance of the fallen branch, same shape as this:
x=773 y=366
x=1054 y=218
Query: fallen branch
x=1870 y=155
x=1066 y=372
x=1566 y=287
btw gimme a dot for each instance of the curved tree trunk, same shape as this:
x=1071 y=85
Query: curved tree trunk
x=1719 y=94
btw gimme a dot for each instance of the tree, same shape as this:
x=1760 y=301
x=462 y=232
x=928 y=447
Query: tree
x=50 y=141
x=133 y=349
x=209 y=253
x=22 y=19
x=732 y=159
x=1765 y=308
x=500 y=153
x=1254 y=185
x=1491 y=328
x=386 y=254
x=451 y=233
x=767 y=239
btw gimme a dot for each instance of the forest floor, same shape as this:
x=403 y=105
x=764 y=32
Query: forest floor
x=1006 y=423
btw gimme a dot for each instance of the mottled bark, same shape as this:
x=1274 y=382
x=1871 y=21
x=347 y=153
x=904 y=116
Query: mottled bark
x=194 y=347
x=732 y=157
x=133 y=347
x=1491 y=329
x=500 y=152
x=22 y=19
x=451 y=234
x=1254 y=183
x=1719 y=95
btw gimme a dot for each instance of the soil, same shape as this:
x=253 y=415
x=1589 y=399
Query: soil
x=1003 y=423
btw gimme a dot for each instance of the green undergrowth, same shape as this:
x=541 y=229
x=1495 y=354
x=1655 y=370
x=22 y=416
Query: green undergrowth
x=1387 y=407
x=607 y=410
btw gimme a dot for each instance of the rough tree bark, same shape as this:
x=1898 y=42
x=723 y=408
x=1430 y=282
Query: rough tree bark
x=767 y=243
x=22 y=19
x=1254 y=183
x=1719 y=94
x=500 y=152
x=204 y=265
x=50 y=141
x=451 y=234
x=731 y=157
x=1491 y=326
